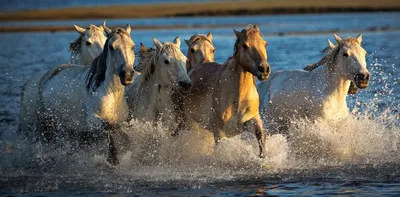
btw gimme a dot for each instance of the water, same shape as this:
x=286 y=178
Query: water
x=359 y=156
x=16 y=5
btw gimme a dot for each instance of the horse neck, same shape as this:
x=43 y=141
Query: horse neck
x=84 y=57
x=243 y=81
x=336 y=85
x=112 y=83
x=190 y=60
x=154 y=88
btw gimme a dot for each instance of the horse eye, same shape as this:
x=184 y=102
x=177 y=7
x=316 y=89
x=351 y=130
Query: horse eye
x=245 y=46
x=192 y=50
x=345 y=54
x=88 y=43
x=166 y=61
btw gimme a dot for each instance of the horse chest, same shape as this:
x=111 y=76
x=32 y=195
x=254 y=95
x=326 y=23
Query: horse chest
x=243 y=108
x=165 y=106
x=111 y=108
x=331 y=107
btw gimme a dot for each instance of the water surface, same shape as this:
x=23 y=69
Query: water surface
x=358 y=156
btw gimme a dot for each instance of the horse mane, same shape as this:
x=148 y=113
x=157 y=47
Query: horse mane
x=249 y=31
x=97 y=71
x=145 y=58
x=76 y=46
x=150 y=66
x=199 y=37
x=330 y=55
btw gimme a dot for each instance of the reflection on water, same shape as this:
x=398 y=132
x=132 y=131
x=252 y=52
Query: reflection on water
x=358 y=156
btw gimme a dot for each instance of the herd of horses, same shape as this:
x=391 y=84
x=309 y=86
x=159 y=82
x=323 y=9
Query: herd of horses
x=90 y=97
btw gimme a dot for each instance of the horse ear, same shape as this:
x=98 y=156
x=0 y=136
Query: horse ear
x=237 y=33
x=209 y=36
x=79 y=29
x=177 y=41
x=142 y=48
x=187 y=42
x=157 y=43
x=331 y=45
x=128 y=28
x=256 y=28
x=338 y=39
x=101 y=27
x=106 y=29
x=359 y=38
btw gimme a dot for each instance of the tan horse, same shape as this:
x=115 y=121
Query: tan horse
x=223 y=98
x=201 y=50
x=353 y=89
x=88 y=45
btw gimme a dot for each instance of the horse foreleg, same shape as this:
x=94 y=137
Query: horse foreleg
x=260 y=133
x=218 y=133
x=112 y=150
x=97 y=124
x=180 y=117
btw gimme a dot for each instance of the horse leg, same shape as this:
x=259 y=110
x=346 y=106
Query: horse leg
x=180 y=117
x=98 y=124
x=260 y=133
x=112 y=150
x=218 y=132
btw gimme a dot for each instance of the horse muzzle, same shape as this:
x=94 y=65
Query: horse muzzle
x=126 y=77
x=263 y=71
x=184 y=86
x=361 y=80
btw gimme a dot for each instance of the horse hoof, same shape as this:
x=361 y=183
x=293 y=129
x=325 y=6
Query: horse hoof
x=262 y=156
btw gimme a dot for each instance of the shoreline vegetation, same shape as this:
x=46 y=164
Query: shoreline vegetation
x=169 y=27
x=214 y=8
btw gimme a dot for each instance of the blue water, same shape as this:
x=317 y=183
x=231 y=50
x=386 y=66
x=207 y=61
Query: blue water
x=319 y=163
x=16 y=5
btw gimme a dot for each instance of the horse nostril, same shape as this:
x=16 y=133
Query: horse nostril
x=360 y=76
x=185 y=84
x=122 y=73
x=268 y=69
x=262 y=69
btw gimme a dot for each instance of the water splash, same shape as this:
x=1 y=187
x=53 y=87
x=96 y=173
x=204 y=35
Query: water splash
x=370 y=137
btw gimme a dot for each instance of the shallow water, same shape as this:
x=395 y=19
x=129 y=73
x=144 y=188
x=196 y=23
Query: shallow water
x=358 y=156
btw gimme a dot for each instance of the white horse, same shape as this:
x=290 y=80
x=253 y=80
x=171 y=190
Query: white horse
x=77 y=100
x=320 y=93
x=88 y=45
x=151 y=96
